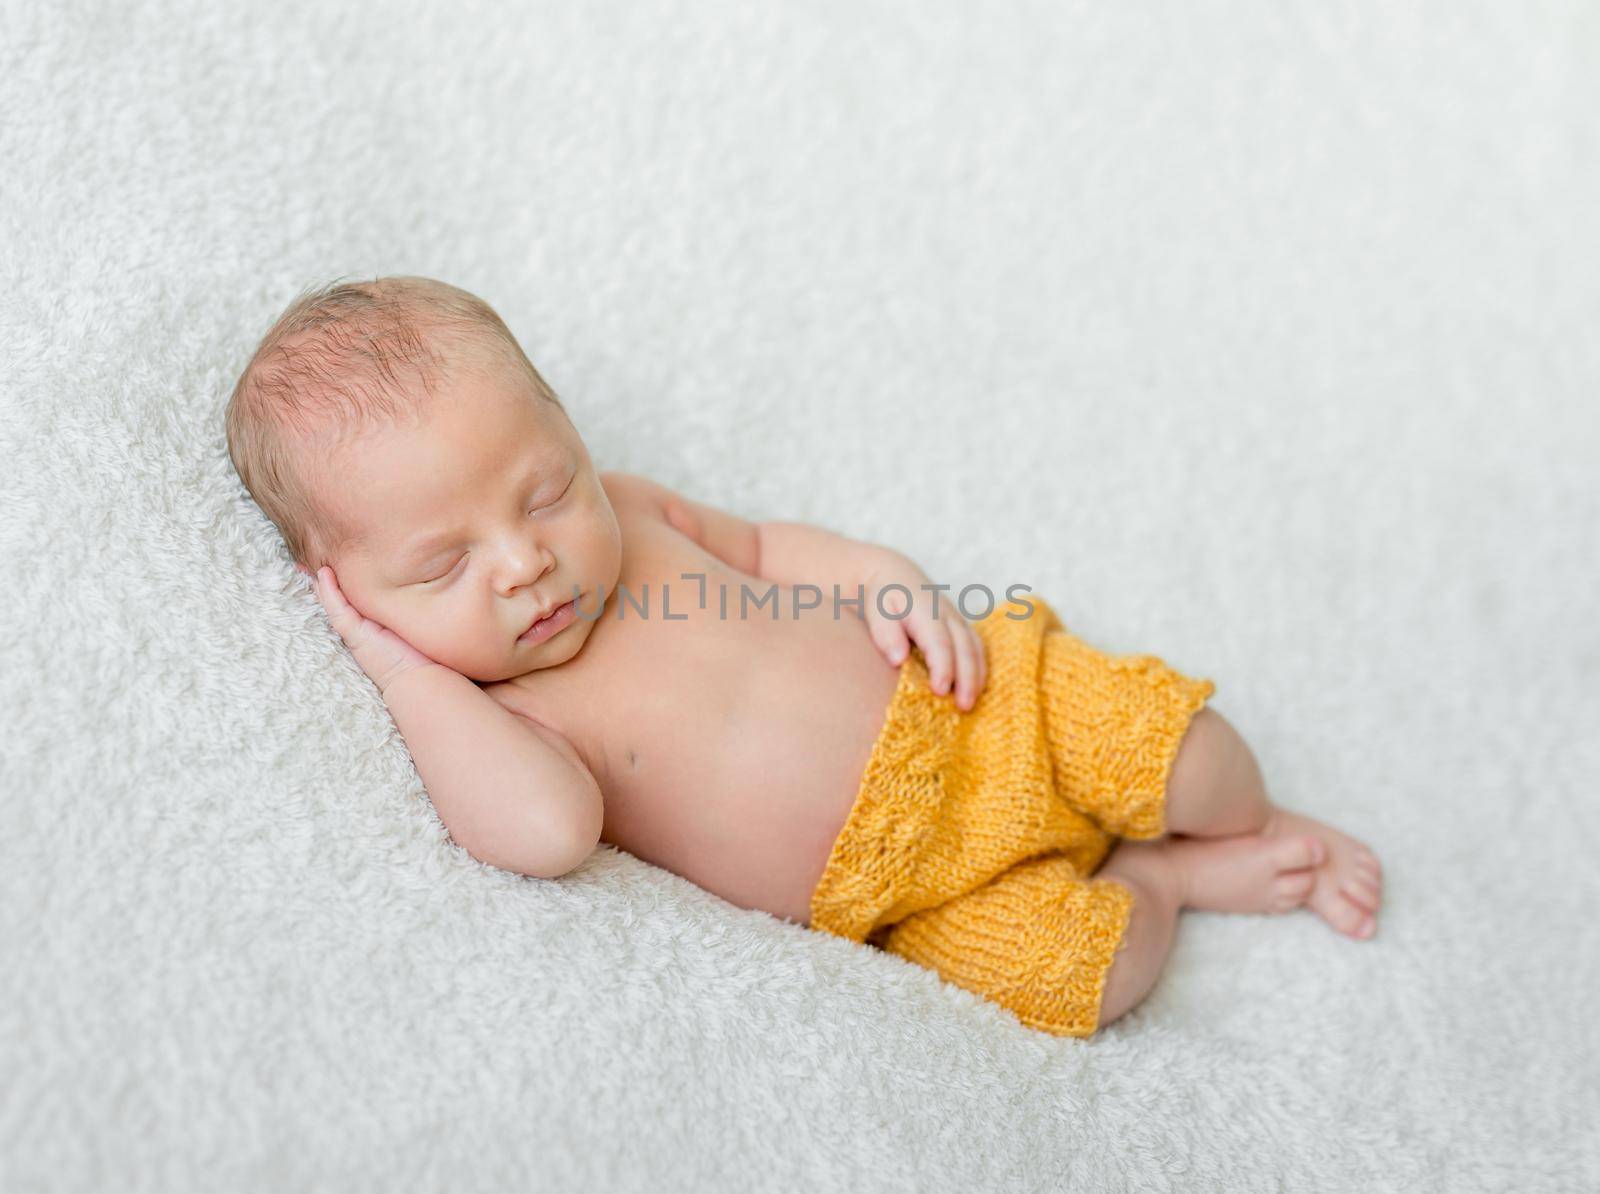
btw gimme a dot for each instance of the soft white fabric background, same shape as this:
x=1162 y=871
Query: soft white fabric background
x=1258 y=336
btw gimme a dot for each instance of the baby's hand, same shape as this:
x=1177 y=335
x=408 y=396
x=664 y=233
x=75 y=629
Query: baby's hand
x=382 y=653
x=950 y=646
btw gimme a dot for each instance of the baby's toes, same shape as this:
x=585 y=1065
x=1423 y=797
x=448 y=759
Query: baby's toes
x=1290 y=889
x=1338 y=910
x=1363 y=891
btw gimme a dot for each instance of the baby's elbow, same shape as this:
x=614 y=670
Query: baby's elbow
x=583 y=831
x=559 y=853
x=554 y=867
x=539 y=851
x=579 y=846
x=550 y=858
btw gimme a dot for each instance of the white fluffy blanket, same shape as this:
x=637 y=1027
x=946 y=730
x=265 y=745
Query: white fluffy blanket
x=1262 y=338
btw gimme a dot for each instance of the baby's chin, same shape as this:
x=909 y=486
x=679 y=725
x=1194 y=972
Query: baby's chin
x=524 y=658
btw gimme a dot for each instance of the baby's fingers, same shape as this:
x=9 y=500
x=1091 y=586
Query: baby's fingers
x=983 y=658
x=328 y=591
x=379 y=651
x=328 y=594
x=890 y=638
x=334 y=600
x=980 y=674
x=934 y=639
x=961 y=639
x=352 y=626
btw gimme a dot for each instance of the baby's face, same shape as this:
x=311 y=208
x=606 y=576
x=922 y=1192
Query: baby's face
x=471 y=524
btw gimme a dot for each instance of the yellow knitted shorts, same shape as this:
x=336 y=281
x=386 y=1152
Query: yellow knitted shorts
x=972 y=840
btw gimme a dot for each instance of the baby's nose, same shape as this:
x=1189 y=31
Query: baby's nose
x=522 y=569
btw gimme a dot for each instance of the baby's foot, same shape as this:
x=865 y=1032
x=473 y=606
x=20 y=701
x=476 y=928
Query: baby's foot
x=1246 y=872
x=1349 y=885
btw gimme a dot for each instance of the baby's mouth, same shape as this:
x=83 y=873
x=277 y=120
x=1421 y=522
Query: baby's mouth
x=541 y=626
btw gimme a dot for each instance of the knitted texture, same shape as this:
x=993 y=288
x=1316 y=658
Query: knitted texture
x=973 y=835
x=1037 y=939
x=1114 y=724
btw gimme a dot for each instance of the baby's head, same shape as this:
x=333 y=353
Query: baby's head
x=395 y=431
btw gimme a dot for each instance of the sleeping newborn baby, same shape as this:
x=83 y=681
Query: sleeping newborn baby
x=795 y=721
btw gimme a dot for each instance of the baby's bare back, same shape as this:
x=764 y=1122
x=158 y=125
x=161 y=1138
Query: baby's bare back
x=728 y=746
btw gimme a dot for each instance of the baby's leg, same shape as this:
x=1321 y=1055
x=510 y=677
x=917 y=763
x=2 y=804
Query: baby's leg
x=1248 y=873
x=1216 y=790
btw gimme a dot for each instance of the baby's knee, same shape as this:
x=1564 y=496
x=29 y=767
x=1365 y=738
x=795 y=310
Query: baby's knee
x=1207 y=749
x=1214 y=777
x=1145 y=945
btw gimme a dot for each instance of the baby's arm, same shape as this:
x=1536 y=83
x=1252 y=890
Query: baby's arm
x=796 y=553
x=788 y=553
x=512 y=793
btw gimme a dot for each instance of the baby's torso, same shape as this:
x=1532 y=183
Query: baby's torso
x=728 y=747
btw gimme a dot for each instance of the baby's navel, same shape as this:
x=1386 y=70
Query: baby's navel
x=633 y=760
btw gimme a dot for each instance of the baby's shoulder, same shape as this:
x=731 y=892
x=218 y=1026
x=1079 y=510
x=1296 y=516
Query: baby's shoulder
x=638 y=493
x=641 y=504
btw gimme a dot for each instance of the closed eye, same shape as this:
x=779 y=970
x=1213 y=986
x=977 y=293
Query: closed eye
x=553 y=501
x=441 y=575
